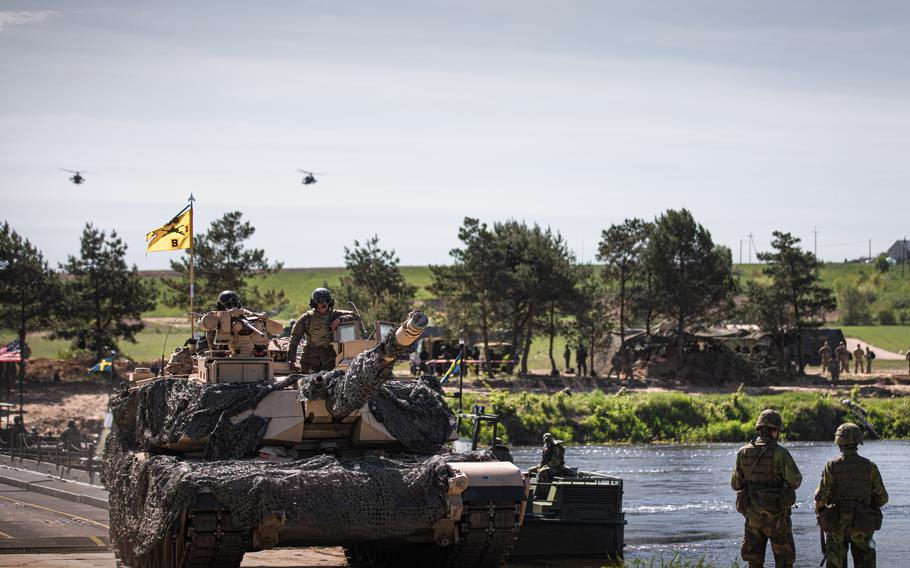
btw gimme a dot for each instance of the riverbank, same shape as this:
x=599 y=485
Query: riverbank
x=642 y=417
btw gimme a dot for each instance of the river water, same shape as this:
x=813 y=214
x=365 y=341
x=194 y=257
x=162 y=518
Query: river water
x=678 y=498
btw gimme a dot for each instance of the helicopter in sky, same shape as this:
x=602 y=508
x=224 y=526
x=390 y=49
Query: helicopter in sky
x=77 y=178
x=309 y=178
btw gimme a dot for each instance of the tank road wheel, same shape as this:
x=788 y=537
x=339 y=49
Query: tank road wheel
x=206 y=537
x=487 y=533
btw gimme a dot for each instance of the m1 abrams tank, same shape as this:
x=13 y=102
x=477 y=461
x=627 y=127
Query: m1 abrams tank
x=241 y=455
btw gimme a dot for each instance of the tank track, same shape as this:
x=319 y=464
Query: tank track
x=205 y=537
x=486 y=534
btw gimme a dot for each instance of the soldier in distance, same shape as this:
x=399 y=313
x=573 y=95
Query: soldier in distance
x=825 y=354
x=848 y=502
x=858 y=356
x=765 y=479
x=317 y=326
x=71 y=438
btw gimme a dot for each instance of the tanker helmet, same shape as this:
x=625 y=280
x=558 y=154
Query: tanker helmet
x=848 y=434
x=71 y=424
x=228 y=300
x=322 y=296
x=770 y=419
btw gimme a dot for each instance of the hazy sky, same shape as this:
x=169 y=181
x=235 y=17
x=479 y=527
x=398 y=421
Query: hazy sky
x=754 y=115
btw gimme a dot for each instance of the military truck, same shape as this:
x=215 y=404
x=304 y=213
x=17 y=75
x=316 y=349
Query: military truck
x=242 y=455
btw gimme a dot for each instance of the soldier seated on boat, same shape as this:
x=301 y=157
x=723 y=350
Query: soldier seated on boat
x=552 y=465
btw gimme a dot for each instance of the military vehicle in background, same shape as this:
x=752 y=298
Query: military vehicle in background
x=241 y=455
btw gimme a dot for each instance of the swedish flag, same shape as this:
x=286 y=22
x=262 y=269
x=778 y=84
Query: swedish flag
x=173 y=235
x=454 y=369
x=102 y=365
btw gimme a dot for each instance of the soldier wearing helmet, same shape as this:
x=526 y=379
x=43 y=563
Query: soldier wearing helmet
x=552 y=465
x=765 y=480
x=848 y=502
x=317 y=326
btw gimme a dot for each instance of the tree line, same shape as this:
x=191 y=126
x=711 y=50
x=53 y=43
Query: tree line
x=507 y=281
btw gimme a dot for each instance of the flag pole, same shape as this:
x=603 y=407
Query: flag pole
x=192 y=273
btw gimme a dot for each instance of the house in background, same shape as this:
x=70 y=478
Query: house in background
x=899 y=251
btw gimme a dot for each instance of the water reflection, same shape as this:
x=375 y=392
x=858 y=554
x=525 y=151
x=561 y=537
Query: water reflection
x=678 y=498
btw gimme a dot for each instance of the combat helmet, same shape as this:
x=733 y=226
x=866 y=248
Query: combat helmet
x=228 y=300
x=769 y=419
x=848 y=434
x=322 y=295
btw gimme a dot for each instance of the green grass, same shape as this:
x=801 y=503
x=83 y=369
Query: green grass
x=640 y=417
x=891 y=337
x=150 y=342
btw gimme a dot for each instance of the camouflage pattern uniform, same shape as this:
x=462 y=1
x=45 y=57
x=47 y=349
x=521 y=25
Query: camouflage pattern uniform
x=318 y=353
x=858 y=357
x=843 y=357
x=848 y=501
x=181 y=362
x=552 y=465
x=825 y=354
x=765 y=479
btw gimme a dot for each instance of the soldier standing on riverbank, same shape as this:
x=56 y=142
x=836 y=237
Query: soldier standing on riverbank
x=825 y=354
x=858 y=358
x=765 y=479
x=843 y=357
x=869 y=356
x=848 y=502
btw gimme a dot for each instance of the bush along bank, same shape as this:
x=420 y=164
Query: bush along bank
x=599 y=418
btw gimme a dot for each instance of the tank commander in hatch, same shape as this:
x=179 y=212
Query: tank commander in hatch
x=552 y=465
x=848 y=502
x=765 y=479
x=317 y=325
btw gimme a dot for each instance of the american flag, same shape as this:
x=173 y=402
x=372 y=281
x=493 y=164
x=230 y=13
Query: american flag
x=11 y=352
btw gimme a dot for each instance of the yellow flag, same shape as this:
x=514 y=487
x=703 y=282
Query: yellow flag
x=174 y=235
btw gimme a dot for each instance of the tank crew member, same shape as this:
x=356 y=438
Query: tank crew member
x=71 y=438
x=181 y=361
x=825 y=354
x=765 y=480
x=843 y=357
x=848 y=502
x=317 y=325
x=869 y=356
x=858 y=359
x=552 y=464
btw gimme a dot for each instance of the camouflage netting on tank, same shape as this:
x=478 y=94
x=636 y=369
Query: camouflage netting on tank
x=164 y=411
x=361 y=498
x=415 y=412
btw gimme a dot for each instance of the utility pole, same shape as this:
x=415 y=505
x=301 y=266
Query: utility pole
x=751 y=246
x=740 y=251
x=815 y=241
x=870 y=250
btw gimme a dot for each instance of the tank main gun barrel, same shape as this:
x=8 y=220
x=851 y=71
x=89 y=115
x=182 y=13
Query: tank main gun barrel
x=408 y=332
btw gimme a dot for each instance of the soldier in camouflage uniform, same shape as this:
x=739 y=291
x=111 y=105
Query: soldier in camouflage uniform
x=318 y=326
x=825 y=354
x=765 y=480
x=843 y=357
x=552 y=465
x=848 y=502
